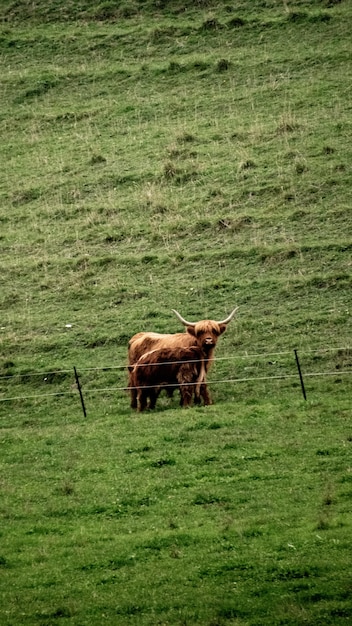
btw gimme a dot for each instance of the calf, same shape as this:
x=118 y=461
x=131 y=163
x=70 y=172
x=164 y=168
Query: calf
x=183 y=368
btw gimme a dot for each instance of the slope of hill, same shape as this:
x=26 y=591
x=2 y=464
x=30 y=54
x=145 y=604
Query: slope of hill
x=194 y=161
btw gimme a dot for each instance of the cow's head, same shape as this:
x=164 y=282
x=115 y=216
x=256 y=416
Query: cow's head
x=206 y=331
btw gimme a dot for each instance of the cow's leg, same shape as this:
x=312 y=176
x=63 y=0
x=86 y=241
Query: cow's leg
x=134 y=403
x=205 y=394
x=196 y=391
x=186 y=395
x=133 y=390
x=153 y=396
x=197 y=399
x=184 y=377
x=142 y=399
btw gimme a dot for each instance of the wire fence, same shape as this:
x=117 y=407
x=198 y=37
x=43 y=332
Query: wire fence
x=343 y=368
x=247 y=356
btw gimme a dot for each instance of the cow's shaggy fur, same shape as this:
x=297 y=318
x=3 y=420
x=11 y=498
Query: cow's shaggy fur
x=183 y=367
x=203 y=335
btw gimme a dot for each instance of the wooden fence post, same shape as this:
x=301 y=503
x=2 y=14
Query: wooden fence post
x=300 y=376
x=80 y=392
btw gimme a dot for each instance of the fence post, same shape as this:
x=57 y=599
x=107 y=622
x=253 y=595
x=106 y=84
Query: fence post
x=80 y=392
x=300 y=375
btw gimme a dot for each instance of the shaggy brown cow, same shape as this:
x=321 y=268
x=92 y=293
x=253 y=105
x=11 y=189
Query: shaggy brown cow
x=158 y=368
x=203 y=334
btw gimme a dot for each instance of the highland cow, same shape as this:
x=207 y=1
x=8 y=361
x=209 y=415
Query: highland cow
x=203 y=335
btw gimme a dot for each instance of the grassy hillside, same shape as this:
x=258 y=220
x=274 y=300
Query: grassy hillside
x=196 y=156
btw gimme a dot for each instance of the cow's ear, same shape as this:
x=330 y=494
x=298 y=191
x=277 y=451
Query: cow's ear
x=222 y=328
x=191 y=330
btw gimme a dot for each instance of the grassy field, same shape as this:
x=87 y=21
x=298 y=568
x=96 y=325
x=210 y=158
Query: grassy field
x=195 y=156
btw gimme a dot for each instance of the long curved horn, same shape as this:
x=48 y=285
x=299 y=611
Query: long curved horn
x=229 y=318
x=182 y=319
x=186 y=323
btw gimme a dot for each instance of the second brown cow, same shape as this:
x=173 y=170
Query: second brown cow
x=157 y=369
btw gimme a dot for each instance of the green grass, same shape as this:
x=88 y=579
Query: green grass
x=196 y=156
x=202 y=516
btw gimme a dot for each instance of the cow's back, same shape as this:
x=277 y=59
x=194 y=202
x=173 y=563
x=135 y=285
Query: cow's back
x=141 y=343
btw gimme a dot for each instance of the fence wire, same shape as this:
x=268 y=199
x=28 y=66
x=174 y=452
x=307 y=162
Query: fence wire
x=105 y=368
x=212 y=382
